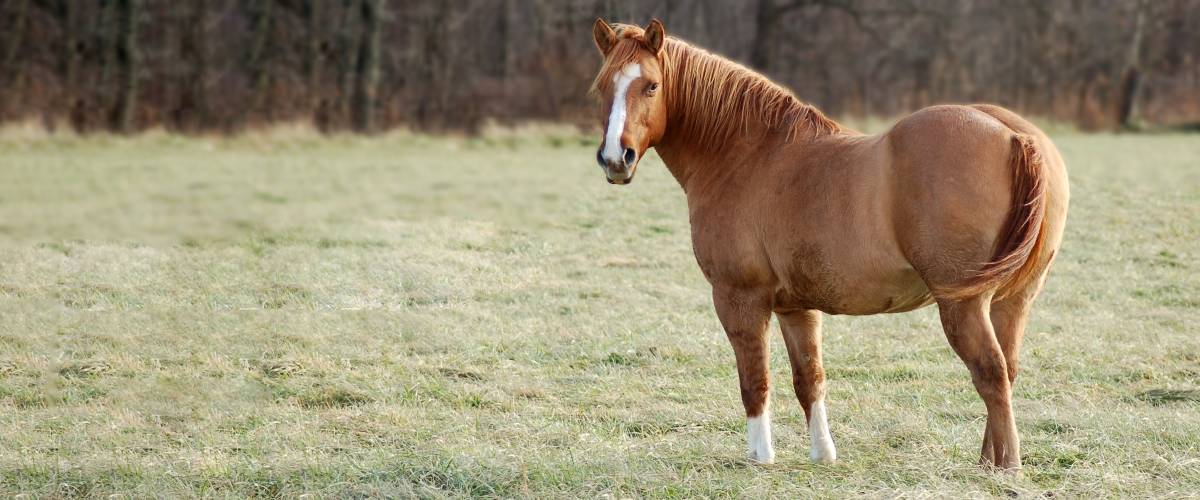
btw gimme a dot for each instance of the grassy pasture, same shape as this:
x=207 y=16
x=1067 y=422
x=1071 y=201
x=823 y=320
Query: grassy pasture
x=275 y=315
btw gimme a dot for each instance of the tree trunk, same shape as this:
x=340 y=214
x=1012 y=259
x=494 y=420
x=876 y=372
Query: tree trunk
x=313 y=54
x=766 y=21
x=1131 y=79
x=349 y=40
x=193 y=112
x=128 y=62
x=69 y=57
x=762 y=48
x=507 y=35
x=258 y=63
x=12 y=77
x=68 y=63
x=367 y=72
x=16 y=35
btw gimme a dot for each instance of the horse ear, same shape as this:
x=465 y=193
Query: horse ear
x=655 y=36
x=604 y=35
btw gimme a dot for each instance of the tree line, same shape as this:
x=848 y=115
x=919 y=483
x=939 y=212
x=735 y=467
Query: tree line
x=368 y=65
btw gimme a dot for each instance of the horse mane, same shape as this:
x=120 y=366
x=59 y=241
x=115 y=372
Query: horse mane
x=730 y=97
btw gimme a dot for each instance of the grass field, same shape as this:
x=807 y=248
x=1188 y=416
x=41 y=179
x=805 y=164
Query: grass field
x=274 y=315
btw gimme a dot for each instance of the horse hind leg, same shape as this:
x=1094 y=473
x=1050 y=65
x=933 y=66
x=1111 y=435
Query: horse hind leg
x=1009 y=316
x=968 y=326
x=802 y=335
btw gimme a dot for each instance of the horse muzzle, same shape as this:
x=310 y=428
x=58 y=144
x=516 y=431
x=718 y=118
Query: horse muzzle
x=621 y=170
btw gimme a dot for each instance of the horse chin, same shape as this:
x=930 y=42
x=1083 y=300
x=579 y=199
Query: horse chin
x=624 y=181
x=629 y=180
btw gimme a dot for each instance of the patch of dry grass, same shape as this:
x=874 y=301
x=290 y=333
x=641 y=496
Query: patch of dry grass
x=284 y=313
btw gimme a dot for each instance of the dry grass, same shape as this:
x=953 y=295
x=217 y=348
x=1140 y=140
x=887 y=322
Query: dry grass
x=280 y=314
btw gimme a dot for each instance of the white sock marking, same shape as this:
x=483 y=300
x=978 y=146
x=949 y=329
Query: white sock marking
x=616 y=117
x=823 y=451
x=758 y=436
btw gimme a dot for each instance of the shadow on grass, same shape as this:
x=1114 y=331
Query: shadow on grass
x=1163 y=396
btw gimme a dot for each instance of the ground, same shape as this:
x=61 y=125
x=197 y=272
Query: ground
x=279 y=314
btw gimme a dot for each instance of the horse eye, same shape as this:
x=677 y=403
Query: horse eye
x=653 y=88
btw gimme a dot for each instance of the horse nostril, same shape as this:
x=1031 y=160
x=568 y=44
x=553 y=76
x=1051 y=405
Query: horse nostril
x=629 y=157
x=600 y=157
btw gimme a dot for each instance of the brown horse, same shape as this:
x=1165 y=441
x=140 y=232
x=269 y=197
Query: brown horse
x=793 y=214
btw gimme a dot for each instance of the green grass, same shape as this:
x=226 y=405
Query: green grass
x=273 y=316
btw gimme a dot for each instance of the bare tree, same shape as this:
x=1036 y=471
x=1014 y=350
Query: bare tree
x=367 y=72
x=193 y=110
x=315 y=49
x=1131 y=79
x=129 y=63
x=13 y=67
x=263 y=14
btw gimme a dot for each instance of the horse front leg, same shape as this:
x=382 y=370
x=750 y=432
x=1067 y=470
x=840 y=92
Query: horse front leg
x=744 y=313
x=802 y=335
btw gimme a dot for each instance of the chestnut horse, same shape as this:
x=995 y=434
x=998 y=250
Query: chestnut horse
x=795 y=215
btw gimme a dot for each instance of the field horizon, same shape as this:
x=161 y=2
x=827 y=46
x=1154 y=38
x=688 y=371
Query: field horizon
x=279 y=314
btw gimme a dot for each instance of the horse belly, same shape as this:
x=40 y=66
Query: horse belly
x=905 y=294
x=826 y=289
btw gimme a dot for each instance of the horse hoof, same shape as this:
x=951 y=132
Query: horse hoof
x=1010 y=468
x=764 y=459
x=823 y=459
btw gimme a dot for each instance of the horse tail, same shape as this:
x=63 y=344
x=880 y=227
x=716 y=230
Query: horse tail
x=1023 y=236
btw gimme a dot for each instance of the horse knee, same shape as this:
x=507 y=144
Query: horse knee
x=991 y=377
x=754 y=396
x=809 y=387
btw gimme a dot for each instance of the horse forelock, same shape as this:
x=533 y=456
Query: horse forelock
x=627 y=50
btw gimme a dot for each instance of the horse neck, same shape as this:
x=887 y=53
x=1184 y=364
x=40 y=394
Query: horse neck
x=694 y=163
x=697 y=161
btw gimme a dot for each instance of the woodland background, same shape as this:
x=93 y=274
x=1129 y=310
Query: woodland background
x=368 y=65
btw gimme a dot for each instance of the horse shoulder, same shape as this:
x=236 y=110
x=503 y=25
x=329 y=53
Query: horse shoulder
x=725 y=244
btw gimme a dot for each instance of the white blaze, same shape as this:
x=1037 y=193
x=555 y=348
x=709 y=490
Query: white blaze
x=758 y=436
x=822 y=443
x=616 y=117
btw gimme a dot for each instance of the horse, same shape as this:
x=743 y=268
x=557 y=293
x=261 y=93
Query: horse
x=793 y=214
